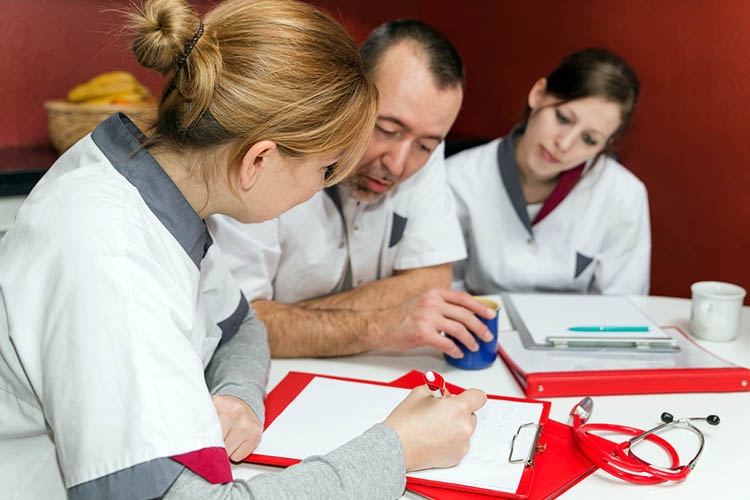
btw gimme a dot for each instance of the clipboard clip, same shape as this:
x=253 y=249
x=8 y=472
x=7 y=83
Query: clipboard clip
x=528 y=460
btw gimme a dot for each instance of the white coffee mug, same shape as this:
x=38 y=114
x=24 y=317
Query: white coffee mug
x=716 y=310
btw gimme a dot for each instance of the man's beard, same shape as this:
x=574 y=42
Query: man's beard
x=356 y=185
x=358 y=192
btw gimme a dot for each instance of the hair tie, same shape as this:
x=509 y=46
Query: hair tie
x=189 y=46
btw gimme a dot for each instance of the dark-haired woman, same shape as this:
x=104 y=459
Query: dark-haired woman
x=546 y=208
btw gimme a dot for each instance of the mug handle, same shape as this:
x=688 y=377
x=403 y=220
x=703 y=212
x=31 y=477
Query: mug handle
x=704 y=310
x=700 y=314
x=704 y=313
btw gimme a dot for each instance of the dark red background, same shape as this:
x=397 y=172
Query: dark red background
x=687 y=142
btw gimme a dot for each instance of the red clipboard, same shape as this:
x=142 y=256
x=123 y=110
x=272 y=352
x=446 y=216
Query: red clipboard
x=559 y=467
x=619 y=382
x=294 y=382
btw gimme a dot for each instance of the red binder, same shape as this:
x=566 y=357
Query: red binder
x=293 y=384
x=729 y=378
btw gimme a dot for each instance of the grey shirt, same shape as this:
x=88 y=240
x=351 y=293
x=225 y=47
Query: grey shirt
x=370 y=466
x=239 y=367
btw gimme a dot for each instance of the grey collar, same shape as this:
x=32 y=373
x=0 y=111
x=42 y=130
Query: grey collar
x=506 y=159
x=332 y=192
x=121 y=142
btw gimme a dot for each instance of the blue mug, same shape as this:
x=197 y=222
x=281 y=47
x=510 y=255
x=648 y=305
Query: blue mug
x=487 y=352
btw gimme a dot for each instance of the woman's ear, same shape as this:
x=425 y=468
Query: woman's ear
x=254 y=162
x=537 y=93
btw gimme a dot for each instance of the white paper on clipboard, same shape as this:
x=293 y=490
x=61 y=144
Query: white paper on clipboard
x=539 y=318
x=330 y=412
x=561 y=360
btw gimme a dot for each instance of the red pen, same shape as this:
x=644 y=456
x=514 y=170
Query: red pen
x=436 y=383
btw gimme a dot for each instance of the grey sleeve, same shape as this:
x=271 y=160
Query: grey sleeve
x=240 y=366
x=370 y=466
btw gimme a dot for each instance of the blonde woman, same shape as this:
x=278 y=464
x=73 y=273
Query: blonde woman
x=130 y=364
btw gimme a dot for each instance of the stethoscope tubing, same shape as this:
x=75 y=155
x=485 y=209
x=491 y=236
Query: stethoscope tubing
x=622 y=463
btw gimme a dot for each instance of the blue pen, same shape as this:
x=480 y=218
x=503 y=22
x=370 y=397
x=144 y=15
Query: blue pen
x=608 y=329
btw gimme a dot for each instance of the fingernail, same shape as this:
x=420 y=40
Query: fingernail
x=491 y=312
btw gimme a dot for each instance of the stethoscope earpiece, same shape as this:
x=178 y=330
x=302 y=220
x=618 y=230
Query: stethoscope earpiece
x=667 y=418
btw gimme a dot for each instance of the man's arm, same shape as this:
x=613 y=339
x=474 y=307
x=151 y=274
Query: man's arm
x=387 y=292
x=295 y=331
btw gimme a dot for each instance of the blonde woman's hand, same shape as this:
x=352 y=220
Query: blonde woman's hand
x=240 y=426
x=435 y=432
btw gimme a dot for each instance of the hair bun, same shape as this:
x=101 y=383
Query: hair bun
x=162 y=27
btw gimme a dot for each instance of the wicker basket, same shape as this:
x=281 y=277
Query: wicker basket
x=68 y=122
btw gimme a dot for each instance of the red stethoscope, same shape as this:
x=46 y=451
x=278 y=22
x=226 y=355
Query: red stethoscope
x=622 y=462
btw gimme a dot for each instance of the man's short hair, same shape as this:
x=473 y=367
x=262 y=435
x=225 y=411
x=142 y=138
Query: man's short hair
x=442 y=57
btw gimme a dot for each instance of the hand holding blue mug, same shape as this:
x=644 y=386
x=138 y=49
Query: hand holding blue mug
x=487 y=352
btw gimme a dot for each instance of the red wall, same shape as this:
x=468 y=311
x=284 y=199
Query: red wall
x=687 y=142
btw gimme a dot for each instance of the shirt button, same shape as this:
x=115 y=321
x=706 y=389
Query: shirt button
x=342 y=244
x=356 y=228
x=359 y=282
x=530 y=241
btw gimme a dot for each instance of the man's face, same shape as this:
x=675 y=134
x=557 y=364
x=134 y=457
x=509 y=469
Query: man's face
x=413 y=118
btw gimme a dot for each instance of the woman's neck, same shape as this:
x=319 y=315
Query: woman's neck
x=195 y=185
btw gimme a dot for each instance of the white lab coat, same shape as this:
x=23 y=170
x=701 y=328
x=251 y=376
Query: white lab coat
x=597 y=240
x=107 y=321
x=303 y=253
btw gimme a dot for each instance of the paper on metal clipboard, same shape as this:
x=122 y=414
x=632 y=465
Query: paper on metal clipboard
x=543 y=321
x=689 y=356
x=329 y=413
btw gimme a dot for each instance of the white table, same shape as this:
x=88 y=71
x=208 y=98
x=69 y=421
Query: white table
x=721 y=471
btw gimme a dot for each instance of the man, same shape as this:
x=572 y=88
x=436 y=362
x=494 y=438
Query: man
x=367 y=264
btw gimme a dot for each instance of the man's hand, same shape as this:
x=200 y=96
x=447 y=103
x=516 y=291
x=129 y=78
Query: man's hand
x=421 y=320
x=240 y=426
